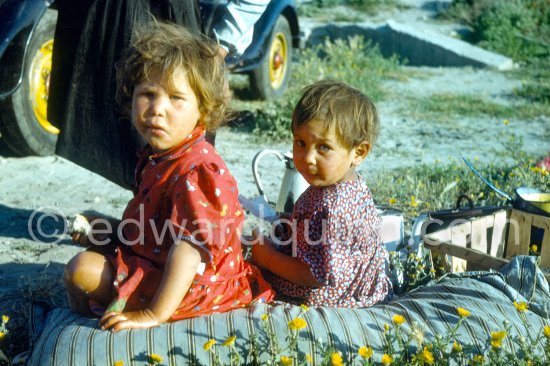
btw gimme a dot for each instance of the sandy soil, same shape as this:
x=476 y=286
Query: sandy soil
x=54 y=185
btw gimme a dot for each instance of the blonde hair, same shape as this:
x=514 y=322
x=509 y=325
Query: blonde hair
x=342 y=107
x=165 y=48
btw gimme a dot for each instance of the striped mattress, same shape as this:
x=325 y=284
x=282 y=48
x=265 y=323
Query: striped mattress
x=69 y=339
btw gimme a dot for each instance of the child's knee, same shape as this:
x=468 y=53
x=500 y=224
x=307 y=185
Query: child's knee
x=86 y=271
x=74 y=271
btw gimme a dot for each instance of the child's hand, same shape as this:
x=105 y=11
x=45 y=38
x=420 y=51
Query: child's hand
x=131 y=320
x=93 y=230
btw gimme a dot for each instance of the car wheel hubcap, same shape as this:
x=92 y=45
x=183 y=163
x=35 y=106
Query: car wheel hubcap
x=39 y=85
x=278 y=60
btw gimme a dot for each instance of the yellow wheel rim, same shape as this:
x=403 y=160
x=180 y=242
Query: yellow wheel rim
x=278 y=60
x=40 y=71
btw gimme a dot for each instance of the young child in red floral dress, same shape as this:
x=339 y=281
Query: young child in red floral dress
x=177 y=251
x=334 y=255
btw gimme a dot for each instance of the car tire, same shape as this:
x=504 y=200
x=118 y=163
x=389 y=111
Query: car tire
x=23 y=121
x=270 y=79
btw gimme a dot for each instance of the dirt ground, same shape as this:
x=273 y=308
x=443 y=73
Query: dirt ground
x=53 y=185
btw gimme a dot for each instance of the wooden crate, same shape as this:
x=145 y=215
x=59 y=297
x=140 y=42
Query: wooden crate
x=489 y=242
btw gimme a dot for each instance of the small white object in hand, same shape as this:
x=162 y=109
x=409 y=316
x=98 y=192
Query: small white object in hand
x=80 y=225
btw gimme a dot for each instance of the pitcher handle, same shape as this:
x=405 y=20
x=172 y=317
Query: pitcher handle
x=255 y=163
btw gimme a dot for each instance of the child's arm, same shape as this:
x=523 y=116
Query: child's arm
x=294 y=270
x=97 y=232
x=180 y=269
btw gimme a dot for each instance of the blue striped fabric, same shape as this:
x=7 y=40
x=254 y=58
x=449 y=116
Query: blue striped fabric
x=68 y=339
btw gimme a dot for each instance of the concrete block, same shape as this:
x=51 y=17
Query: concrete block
x=433 y=49
x=418 y=47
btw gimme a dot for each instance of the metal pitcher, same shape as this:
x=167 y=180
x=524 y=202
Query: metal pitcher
x=292 y=186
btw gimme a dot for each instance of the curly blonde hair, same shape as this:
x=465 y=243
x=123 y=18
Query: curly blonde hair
x=165 y=48
x=337 y=105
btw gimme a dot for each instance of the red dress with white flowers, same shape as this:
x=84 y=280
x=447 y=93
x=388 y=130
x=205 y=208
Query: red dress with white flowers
x=186 y=193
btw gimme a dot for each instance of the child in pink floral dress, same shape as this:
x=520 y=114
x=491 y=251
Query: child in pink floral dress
x=335 y=256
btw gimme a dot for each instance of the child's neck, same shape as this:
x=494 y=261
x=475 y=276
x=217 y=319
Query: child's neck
x=350 y=176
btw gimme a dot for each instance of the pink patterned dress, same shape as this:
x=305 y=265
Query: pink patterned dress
x=186 y=193
x=337 y=234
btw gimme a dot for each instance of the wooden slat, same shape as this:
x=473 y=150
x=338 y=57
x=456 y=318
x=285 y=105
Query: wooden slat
x=471 y=255
x=460 y=236
x=455 y=241
x=461 y=233
x=442 y=235
x=499 y=229
x=479 y=233
x=519 y=234
x=544 y=223
x=525 y=233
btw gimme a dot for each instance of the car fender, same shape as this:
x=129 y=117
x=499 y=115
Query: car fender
x=262 y=31
x=18 y=20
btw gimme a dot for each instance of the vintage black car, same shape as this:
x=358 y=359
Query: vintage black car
x=26 y=34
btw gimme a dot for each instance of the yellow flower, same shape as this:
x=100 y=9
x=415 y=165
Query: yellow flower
x=336 y=359
x=155 y=358
x=309 y=358
x=463 y=313
x=386 y=327
x=500 y=335
x=496 y=338
x=229 y=341
x=413 y=201
x=541 y=171
x=427 y=356
x=477 y=360
x=365 y=352
x=457 y=347
x=496 y=343
x=2 y=334
x=264 y=317
x=209 y=344
x=118 y=363
x=392 y=201
x=547 y=331
x=398 y=319
x=5 y=318
x=521 y=306
x=387 y=359
x=534 y=248
x=286 y=361
x=297 y=324
x=506 y=122
x=304 y=307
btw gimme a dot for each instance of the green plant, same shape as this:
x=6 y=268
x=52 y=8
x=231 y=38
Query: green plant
x=3 y=334
x=277 y=354
x=273 y=121
x=507 y=28
x=46 y=287
x=402 y=347
x=448 y=107
x=535 y=81
x=410 y=272
x=517 y=28
x=436 y=186
x=321 y=7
